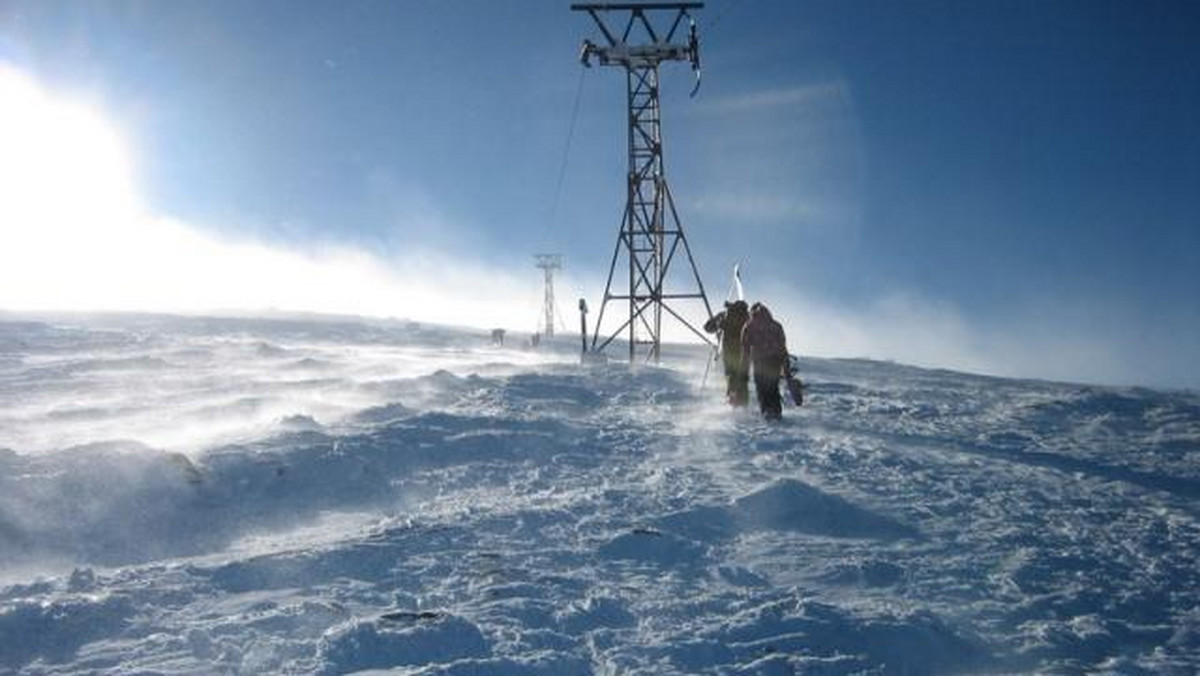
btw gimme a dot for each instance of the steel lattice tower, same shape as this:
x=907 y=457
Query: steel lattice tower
x=651 y=234
x=548 y=263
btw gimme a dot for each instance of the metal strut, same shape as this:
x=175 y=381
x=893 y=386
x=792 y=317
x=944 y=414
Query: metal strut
x=651 y=234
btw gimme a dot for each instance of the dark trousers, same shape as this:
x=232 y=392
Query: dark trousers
x=766 y=386
x=737 y=384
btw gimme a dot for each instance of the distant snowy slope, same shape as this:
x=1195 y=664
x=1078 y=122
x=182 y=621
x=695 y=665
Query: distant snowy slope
x=195 y=496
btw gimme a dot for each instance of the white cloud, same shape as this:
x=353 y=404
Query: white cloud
x=758 y=206
x=754 y=207
x=794 y=98
x=75 y=235
x=783 y=157
x=900 y=327
x=916 y=330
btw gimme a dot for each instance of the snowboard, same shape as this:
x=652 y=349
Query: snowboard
x=795 y=387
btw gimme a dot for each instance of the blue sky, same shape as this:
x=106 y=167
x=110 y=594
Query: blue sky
x=1010 y=187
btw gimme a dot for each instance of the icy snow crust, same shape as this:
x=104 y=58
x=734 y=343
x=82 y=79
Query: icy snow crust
x=199 y=496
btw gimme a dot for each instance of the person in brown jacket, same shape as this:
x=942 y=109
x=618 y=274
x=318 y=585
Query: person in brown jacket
x=728 y=324
x=764 y=346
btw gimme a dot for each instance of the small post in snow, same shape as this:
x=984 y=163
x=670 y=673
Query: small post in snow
x=583 y=310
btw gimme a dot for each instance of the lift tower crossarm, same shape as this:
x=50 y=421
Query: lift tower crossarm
x=618 y=51
x=626 y=6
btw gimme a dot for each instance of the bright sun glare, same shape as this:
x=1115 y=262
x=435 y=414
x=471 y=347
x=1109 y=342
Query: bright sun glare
x=68 y=190
x=75 y=235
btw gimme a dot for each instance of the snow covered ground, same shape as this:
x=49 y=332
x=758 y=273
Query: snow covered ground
x=249 y=496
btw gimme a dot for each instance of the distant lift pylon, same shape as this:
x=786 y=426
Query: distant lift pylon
x=651 y=234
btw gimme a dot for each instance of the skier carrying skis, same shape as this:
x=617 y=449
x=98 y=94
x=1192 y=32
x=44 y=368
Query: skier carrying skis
x=728 y=325
x=765 y=346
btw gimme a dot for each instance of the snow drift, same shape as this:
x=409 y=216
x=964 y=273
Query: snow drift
x=251 y=496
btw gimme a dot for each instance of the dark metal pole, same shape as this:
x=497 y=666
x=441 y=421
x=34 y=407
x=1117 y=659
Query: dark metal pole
x=583 y=330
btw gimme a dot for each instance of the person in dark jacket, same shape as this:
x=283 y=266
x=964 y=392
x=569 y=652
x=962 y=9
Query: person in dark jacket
x=764 y=346
x=728 y=325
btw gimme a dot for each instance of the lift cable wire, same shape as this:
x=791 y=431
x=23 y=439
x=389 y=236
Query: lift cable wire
x=566 y=156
